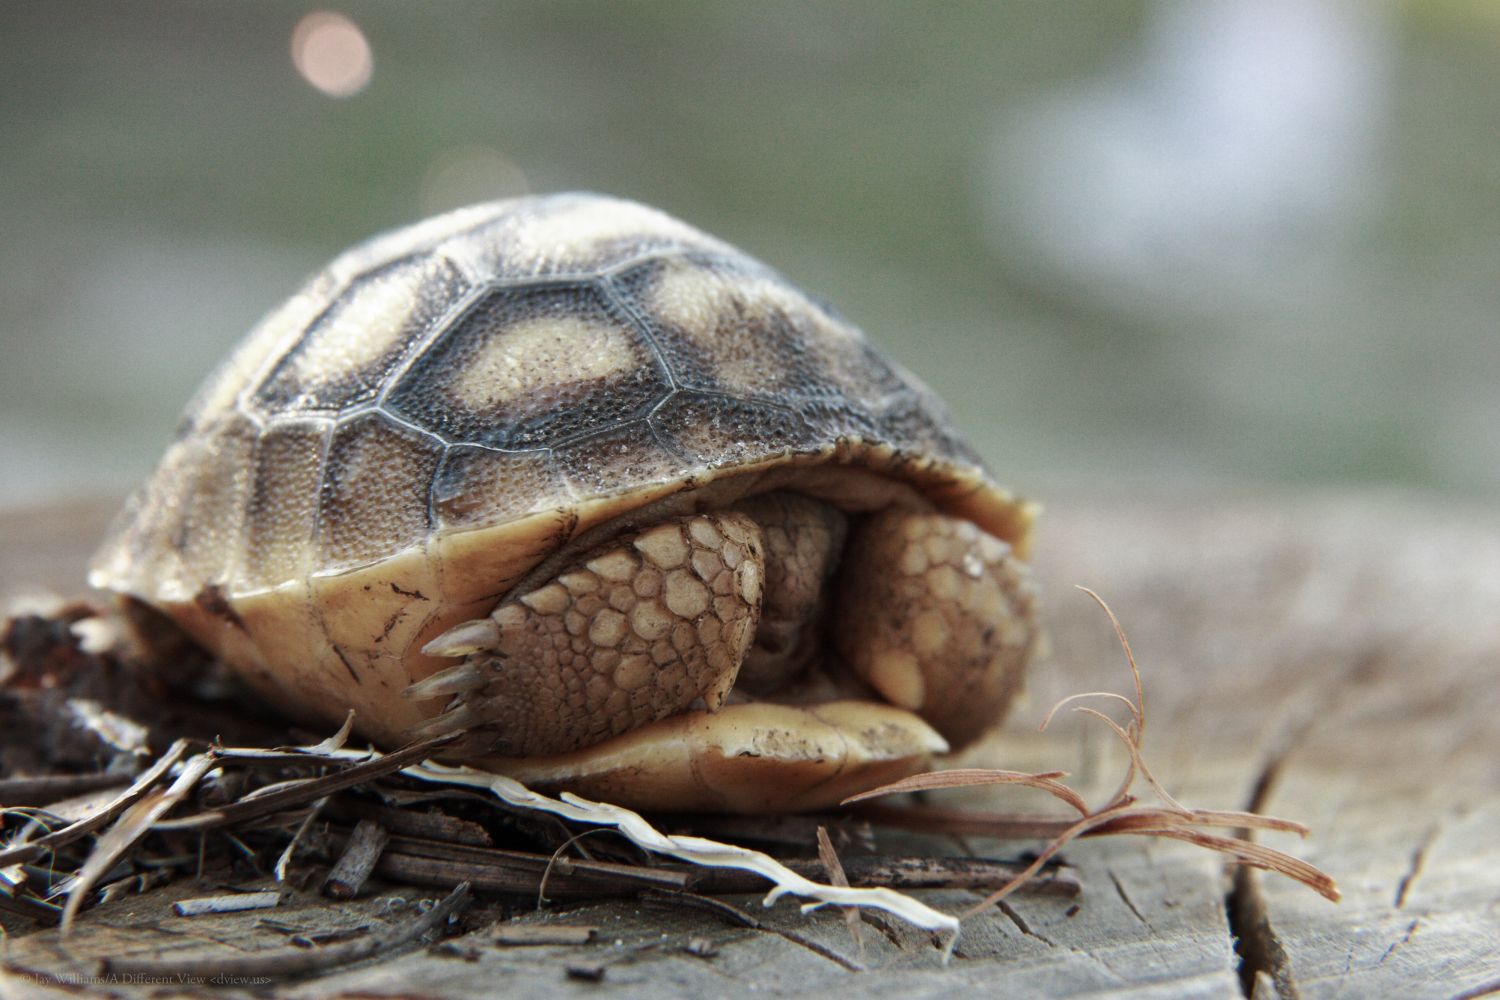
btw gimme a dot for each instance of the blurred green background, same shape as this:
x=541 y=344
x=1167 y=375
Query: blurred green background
x=1214 y=245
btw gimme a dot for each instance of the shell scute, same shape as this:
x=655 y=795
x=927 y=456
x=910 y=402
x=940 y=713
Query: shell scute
x=531 y=367
x=282 y=510
x=484 y=368
x=714 y=431
x=373 y=500
x=477 y=486
x=344 y=357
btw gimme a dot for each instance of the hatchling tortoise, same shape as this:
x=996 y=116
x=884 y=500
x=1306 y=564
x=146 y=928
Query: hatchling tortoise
x=615 y=501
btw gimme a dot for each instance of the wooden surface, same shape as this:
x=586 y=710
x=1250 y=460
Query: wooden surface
x=1333 y=661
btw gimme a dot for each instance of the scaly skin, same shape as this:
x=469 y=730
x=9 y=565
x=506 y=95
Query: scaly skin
x=937 y=616
x=803 y=539
x=931 y=612
x=642 y=630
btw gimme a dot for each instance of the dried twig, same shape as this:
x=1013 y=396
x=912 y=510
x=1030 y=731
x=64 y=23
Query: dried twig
x=427 y=823
x=298 y=792
x=358 y=860
x=45 y=789
x=82 y=828
x=230 y=902
x=734 y=915
x=538 y=934
x=518 y=873
x=893 y=873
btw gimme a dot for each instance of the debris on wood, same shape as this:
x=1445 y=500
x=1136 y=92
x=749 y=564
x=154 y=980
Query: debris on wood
x=401 y=818
x=700 y=947
x=1120 y=815
x=586 y=973
x=538 y=934
x=429 y=824
x=363 y=850
x=45 y=789
x=738 y=917
x=231 y=902
x=281 y=963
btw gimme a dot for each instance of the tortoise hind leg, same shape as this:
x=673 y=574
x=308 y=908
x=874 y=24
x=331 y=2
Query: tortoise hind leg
x=937 y=616
x=629 y=634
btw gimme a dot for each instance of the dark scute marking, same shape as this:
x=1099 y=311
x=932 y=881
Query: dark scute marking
x=578 y=366
x=477 y=486
x=211 y=599
x=742 y=344
x=618 y=460
x=344 y=659
x=836 y=418
x=415 y=594
x=917 y=422
x=390 y=623
x=311 y=377
x=715 y=430
x=374 y=497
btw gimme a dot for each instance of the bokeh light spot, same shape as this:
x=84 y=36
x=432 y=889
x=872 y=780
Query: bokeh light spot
x=332 y=54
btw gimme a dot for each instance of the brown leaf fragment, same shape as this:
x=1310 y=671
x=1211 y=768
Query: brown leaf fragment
x=967 y=777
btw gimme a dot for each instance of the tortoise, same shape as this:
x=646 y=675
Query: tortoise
x=613 y=500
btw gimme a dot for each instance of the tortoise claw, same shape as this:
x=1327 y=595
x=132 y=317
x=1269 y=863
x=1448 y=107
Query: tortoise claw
x=465 y=676
x=455 y=721
x=463 y=639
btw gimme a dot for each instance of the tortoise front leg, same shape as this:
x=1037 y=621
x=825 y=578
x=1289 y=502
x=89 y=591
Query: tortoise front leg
x=937 y=616
x=629 y=634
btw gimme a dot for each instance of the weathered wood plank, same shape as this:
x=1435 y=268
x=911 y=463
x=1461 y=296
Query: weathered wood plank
x=1336 y=662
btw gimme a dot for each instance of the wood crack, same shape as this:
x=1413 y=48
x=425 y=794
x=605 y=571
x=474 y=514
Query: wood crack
x=1482 y=990
x=1396 y=946
x=1414 y=869
x=1255 y=942
x=1125 y=898
x=1021 y=925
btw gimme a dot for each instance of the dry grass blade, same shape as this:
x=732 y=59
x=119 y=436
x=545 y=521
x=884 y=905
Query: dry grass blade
x=1139 y=708
x=1120 y=814
x=132 y=825
x=966 y=777
x=293 y=793
x=835 y=870
x=1258 y=856
x=76 y=831
x=1131 y=738
x=694 y=850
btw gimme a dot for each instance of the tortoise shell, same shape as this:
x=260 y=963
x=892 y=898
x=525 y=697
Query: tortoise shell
x=447 y=404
